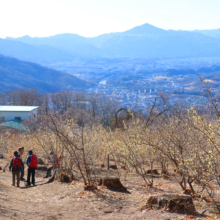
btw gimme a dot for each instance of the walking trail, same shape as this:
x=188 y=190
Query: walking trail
x=69 y=201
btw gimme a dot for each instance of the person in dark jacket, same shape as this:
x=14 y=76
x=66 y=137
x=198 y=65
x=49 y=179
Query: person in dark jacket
x=16 y=166
x=31 y=162
x=20 y=152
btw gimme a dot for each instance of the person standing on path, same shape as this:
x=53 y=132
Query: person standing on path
x=20 y=152
x=31 y=162
x=16 y=166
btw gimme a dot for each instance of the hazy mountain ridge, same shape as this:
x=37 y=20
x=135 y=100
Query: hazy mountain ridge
x=40 y=54
x=211 y=33
x=144 y=41
x=145 y=29
x=173 y=45
x=73 y=44
x=15 y=73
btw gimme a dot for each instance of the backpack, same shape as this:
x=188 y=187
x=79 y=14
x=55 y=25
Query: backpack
x=33 y=163
x=16 y=162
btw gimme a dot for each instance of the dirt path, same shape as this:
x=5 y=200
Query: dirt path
x=69 y=201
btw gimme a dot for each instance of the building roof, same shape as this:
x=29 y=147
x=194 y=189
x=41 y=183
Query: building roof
x=11 y=108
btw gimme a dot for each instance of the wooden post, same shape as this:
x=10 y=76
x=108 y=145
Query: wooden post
x=108 y=161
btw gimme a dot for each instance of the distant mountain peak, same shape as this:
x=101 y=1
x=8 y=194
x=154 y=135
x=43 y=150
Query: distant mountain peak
x=146 y=29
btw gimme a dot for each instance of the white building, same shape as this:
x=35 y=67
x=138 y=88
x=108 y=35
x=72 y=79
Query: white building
x=9 y=113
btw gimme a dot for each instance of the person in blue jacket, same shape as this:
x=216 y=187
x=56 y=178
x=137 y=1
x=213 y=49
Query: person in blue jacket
x=31 y=162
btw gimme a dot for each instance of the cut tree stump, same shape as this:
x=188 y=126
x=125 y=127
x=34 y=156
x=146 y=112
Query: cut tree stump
x=153 y=172
x=171 y=203
x=63 y=175
x=112 y=183
x=114 y=167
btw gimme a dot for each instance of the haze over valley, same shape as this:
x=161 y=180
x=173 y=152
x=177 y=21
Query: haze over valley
x=132 y=67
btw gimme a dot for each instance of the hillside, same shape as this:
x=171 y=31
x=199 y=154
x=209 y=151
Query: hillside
x=16 y=73
x=42 y=54
x=68 y=201
x=211 y=76
x=211 y=33
x=144 y=41
x=180 y=72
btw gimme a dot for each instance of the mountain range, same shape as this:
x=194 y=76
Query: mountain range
x=145 y=41
x=211 y=33
x=15 y=73
x=41 y=54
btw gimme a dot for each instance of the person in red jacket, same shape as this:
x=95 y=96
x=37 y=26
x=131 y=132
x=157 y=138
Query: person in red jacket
x=16 y=166
x=31 y=162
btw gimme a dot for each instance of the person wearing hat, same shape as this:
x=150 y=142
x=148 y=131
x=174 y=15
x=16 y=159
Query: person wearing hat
x=31 y=162
x=15 y=166
x=20 y=152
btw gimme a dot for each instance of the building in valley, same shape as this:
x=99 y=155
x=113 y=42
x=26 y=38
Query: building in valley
x=21 y=113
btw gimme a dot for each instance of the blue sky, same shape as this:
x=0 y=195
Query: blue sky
x=93 y=17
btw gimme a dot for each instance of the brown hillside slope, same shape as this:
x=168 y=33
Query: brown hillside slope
x=69 y=201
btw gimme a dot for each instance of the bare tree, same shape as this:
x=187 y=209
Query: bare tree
x=3 y=99
x=24 y=96
x=62 y=100
x=80 y=101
